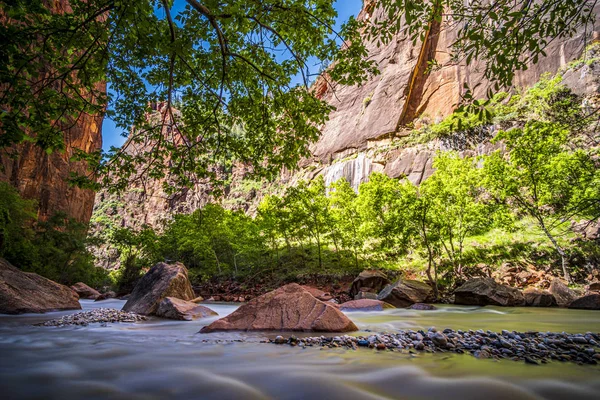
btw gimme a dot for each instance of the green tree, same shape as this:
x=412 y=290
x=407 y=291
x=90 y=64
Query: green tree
x=227 y=65
x=452 y=199
x=504 y=35
x=346 y=217
x=383 y=205
x=540 y=176
x=17 y=217
x=309 y=209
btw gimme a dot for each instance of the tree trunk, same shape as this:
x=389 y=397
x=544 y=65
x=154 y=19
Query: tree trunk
x=561 y=252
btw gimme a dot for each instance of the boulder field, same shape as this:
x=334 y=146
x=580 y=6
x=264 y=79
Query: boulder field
x=26 y=292
x=289 y=308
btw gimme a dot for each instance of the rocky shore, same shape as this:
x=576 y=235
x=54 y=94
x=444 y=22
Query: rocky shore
x=98 y=315
x=530 y=347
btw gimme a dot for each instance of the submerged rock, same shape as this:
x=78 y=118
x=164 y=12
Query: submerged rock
x=26 y=292
x=486 y=291
x=405 y=293
x=563 y=295
x=589 y=302
x=289 y=308
x=368 y=281
x=163 y=280
x=172 y=308
x=85 y=292
x=365 y=305
x=423 y=307
x=539 y=298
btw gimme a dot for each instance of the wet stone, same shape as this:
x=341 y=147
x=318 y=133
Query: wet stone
x=528 y=347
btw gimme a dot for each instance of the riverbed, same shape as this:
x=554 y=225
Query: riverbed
x=160 y=359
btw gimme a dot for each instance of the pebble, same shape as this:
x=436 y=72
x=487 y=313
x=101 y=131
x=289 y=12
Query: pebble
x=98 y=315
x=529 y=347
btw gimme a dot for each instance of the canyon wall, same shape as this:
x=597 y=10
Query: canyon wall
x=361 y=135
x=381 y=107
x=43 y=177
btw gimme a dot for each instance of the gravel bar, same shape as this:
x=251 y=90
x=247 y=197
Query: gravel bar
x=98 y=315
x=530 y=347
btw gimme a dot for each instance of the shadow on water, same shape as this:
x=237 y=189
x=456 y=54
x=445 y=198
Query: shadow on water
x=160 y=359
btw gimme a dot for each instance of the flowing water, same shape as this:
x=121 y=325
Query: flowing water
x=161 y=359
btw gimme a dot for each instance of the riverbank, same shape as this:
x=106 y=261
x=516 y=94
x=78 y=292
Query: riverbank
x=170 y=359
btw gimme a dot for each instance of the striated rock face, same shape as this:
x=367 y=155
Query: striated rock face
x=406 y=292
x=486 y=291
x=172 y=308
x=163 y=280
x=85 y=292
x=25 y=292
x=404 y=90
x=289 y=308
x=43 y=177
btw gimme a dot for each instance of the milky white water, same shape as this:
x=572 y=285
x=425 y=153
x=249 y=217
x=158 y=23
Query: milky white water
x=161 y=359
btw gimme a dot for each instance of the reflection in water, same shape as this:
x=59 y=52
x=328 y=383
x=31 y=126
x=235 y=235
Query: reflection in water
x=168 y=359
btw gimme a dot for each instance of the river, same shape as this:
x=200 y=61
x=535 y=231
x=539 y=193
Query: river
x=160 y=359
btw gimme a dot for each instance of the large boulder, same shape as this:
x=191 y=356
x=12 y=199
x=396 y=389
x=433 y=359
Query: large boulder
x=183 y=310
x=289 y=308
x=589 y=302
x=406 y=292
x=106 y=296
x=593 y=287
x=85 y=292
x=563 y=295
x=163 y=280
x=26 y=292
x=486 y=291
x=539 y=298
x=368 y=281
x=318 y=293
x=365 y=305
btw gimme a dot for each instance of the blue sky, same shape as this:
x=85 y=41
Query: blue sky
x=113 y=136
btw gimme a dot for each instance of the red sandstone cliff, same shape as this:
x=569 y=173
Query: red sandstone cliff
x=354 y=140
x=43 y=177
x=403 y=91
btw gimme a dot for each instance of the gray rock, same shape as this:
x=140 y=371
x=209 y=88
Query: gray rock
x=563 y=295
x=589 y=302
x=163 y=280
x=486 y=291
x=372 y=280
x=405 y=293
x=85 y=292
x=26 y=292
x=172 y=308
